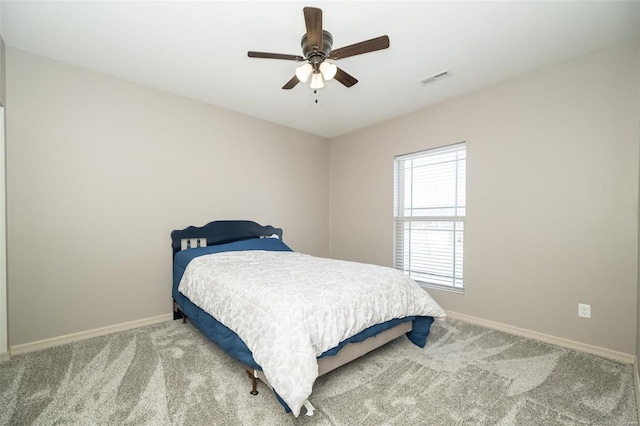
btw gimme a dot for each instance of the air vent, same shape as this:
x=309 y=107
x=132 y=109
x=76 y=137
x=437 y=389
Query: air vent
x=436 y=77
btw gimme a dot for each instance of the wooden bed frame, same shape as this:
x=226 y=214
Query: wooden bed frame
x=222 y=232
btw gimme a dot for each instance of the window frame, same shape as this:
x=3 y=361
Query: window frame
x=456 y=221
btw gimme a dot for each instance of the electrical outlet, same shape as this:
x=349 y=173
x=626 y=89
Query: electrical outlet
x=584 y=311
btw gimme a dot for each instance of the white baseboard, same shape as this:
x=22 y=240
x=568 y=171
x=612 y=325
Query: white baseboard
x=565 y=343
x=83 y=335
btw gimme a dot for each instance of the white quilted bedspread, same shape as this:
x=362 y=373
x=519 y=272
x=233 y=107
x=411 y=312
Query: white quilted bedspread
x=289 y=307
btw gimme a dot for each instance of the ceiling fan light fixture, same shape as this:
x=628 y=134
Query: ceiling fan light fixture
x=316 y=80
x=328 y=70
x=303 y=72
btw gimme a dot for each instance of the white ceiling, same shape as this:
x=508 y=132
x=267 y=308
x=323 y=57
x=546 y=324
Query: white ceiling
x=199 y=49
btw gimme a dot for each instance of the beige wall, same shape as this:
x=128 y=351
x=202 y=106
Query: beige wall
x=95 y=186
x=552 y=201
x=638 y=289
x=4 y=335
x=101 y=170
x=3 y=75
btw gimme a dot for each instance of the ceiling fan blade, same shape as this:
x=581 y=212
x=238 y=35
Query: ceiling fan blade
x=291 y=83
x=275 y=56
x=345 y=78
x=367 y=46
x=313 y=20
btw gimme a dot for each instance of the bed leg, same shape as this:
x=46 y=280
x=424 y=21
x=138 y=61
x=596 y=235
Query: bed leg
x=254 y=381
x=178 y=312
x=310 y=408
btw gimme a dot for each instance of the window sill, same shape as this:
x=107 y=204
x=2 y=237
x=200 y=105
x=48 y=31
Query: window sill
x=428 y=286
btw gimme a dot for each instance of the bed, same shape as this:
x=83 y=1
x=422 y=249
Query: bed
x=286 y=316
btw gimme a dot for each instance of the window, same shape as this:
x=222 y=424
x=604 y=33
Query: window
x=430 y=200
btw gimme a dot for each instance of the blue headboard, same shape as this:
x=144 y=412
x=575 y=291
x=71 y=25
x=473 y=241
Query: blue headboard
x=222 y=232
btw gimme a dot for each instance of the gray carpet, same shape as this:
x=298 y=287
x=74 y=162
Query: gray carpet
x=169 y=374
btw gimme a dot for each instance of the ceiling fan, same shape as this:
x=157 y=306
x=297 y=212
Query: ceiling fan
x=316 y=48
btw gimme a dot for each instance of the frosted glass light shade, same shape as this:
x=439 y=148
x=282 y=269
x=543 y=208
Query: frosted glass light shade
x=303 y=72
x=316 y=81
x=328 y=70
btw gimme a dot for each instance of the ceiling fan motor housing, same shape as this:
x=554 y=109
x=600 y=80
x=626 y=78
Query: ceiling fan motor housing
x=315 y=56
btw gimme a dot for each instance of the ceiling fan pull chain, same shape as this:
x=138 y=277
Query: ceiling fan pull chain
x=315 y=92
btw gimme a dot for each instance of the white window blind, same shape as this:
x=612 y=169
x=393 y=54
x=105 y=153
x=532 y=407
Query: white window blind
x=430 y=200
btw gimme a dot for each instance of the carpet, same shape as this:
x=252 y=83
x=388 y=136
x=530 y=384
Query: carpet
x=169 y=374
